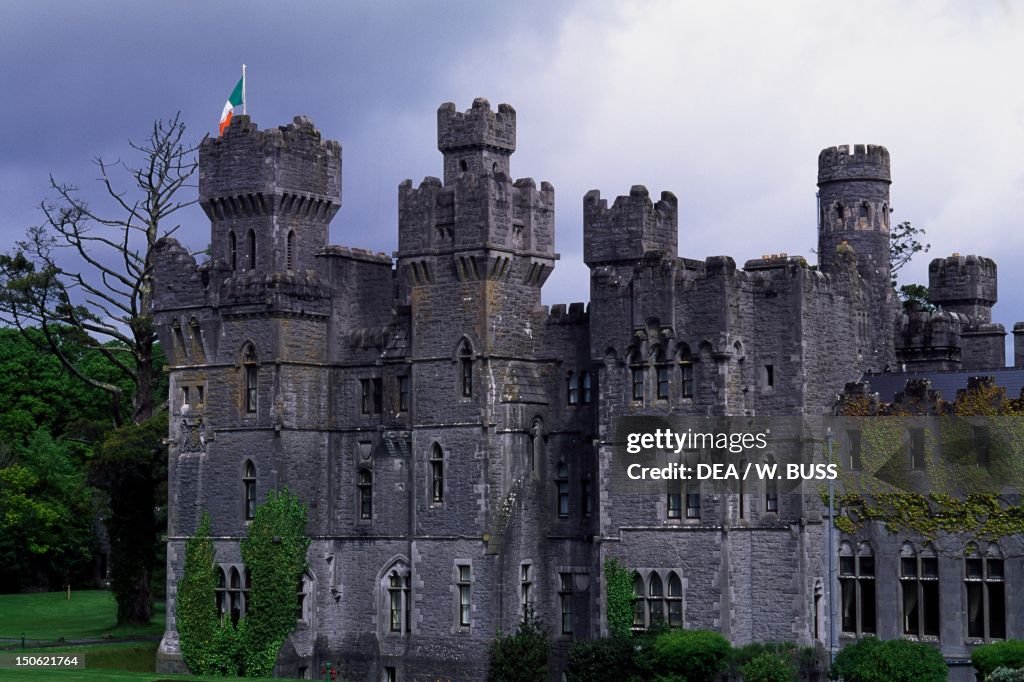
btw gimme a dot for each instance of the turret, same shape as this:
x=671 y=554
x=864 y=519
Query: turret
x=853 y=213
x=476 y=140
x=270 y=195
x=633 y=227
x=964 y=284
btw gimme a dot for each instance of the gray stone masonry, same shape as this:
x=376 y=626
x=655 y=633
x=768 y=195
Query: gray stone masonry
x=452 y=437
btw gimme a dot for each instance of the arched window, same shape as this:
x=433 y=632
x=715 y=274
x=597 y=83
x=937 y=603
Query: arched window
x=235 y=596
x=223 y=604
x=290 y=251
x=986 y=593
x=466 y=366
x=252 y=372
x=562 y=490
x=436 y=474
x=660 y=374
x=249 y=490
x=857 y=589
x=397 y=599
x=656 y=599
x=639 y=603
x=636 y=376
x=232 y=250
x=919 y=581
x=685 y=372
x=252 y=250
x=534 y=445
x=365 y=494
x=674 y=600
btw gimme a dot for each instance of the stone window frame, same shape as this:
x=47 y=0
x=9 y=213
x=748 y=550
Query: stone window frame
x=637 y=377
x=249 y=498
x=232 y=251
x=250 y=370
x=466 y=376
x=662 y=375
x=685 y=360
x=233 y=584
x=463 y=578
x=586 y=387
x=664 y=605
x=562 y=493
x=858 y=576
x=572 y=389
x=289 y=251
x=404 y=382
x=305 y=594
x=566 y=595
x=991 y=577
x=772 y=500
x=436 y=479
x=251 y=256
x=919 y=593
x=364 y=493
x=526 y=580
x=395 y=599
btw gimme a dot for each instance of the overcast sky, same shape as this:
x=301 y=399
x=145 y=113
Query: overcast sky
x=725 y=104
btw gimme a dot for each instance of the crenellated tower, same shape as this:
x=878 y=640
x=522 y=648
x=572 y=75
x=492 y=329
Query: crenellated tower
x=853 y=212
x=270 y=195
x=967 y=285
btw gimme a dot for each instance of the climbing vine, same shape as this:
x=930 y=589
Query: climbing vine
x=275 y=554
x=196 y=604
x=965 y=492
x=619 y=592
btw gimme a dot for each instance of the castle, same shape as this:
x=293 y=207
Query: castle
x=452 y=437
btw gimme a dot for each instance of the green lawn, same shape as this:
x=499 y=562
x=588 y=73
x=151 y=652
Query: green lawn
x=50 y=615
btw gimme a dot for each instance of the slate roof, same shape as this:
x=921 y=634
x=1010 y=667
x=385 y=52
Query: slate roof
x=946 y=383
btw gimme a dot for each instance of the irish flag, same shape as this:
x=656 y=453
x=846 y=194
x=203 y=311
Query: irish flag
x=236 y=99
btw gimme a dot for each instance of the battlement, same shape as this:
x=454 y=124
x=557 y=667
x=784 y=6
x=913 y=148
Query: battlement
x=575 y=313
x=353 y=253
x=290 y=159
x=478 y=126
x=965 y=284
x=929 y=340
x=633 y=226
x=866 y=162
x=774 y=261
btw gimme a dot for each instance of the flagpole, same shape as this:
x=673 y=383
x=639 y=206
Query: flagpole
x=243 y=89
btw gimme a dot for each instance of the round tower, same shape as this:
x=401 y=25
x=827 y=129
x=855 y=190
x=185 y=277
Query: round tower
x=853 y=207
x=853 y=211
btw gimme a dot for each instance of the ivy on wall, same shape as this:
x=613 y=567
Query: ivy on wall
x=965 y=497
x=275 y=554
x=619 y=594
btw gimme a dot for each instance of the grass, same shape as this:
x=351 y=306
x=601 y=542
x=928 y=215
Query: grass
x=50 y=615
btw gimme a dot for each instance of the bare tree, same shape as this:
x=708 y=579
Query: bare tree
x=91 y=273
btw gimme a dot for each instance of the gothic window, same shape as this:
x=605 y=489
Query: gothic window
x=857 y=589
x=768 y=377
x=365 y=494
x=466 y=366
x=232 y=251
x=685 y=372
x=223 y=603
x=235 y=601
x=378 y=395
x=986 y=595
x=403 y=394
x=565 y=601
x=525 y=586
x=465 y=594
x=655 y=600
x=252 y=375
x=290 y=251
x=674 y=600
x=586 y=390
x=652 y=605
x=562 y=490
x=365 y=396
x=249 y=490
x=398 y=602
x=865 y=209
x=919 y=580
x=572 y=389
x=436 y=474
x=252 y=250
x=390 y=673
x=636 y=376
